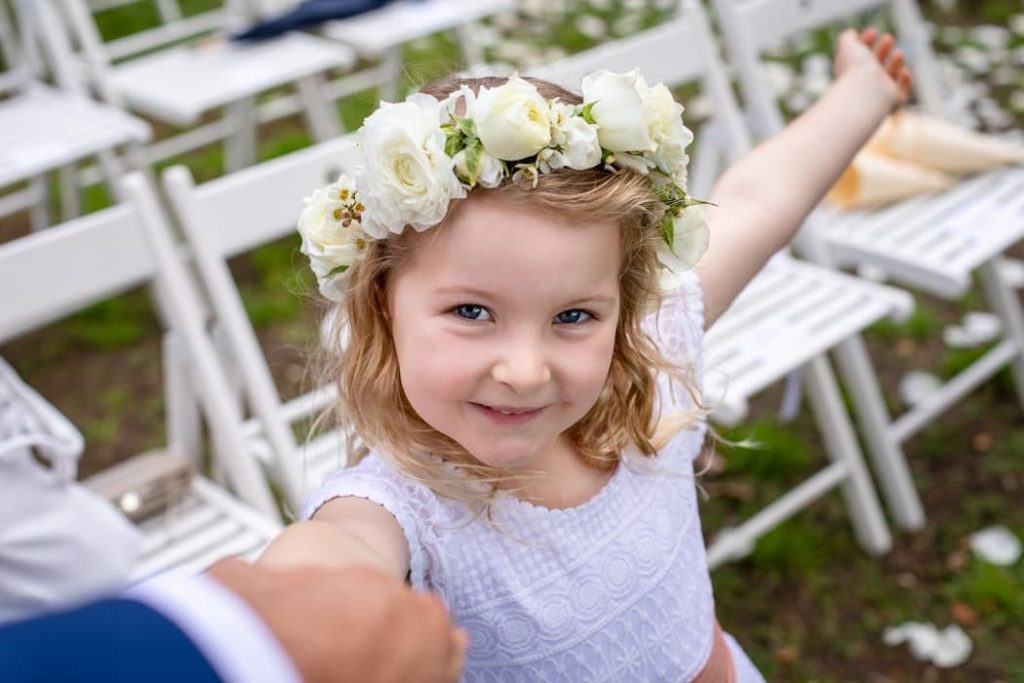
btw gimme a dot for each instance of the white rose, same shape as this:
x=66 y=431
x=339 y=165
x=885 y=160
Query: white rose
x=618 y=111
x=690 y=237
x=664 y=118
x=331 y=245
x=512 y=120
x=408 y=179
x=576 y=139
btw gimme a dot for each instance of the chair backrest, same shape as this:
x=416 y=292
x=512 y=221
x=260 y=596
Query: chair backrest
x=752 y=27
x=51 y=274
x=235 y=214
x=677 y=52
x=77 y=28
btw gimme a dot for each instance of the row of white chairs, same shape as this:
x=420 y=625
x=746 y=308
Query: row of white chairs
x=107 y=91
x=790 y=317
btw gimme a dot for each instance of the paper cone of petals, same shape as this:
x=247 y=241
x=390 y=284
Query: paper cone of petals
x=873 y=180
x=943 y=146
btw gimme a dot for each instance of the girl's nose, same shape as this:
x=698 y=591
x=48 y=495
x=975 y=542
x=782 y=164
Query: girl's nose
x=522 y=366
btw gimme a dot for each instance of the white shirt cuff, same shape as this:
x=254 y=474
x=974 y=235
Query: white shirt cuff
x=232 y=638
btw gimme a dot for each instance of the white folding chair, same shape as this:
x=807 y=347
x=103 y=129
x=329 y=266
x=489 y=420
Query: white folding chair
x=264 y=202
x=151 y=72
x=109 y=252
x=378 y=36
x=788 y=317
x=43 y=129
x=934 y=243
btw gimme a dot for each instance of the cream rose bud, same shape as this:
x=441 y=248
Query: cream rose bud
x=690 y=240
x=408 y=179
x=512 y=120
x=489 y=171
x=579 y=142
x=618 y=111
x=665 y=125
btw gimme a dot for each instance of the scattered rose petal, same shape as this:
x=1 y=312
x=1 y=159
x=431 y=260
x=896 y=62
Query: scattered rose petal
x=592 y=26
x=997 y=545
x=982 y=442
x=917 y=386
x=945 y=649
x=964 y=613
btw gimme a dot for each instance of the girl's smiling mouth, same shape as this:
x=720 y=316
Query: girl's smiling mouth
x=507 y=415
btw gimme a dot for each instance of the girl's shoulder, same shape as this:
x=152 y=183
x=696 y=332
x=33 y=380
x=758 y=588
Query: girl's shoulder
x=417 y=509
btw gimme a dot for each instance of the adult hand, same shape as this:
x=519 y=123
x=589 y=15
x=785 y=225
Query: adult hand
x=353 y=624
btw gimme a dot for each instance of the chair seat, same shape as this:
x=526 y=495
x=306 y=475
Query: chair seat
x=934 y=242
x=207 y=526
x=377 y=31
x=42 y=129
x=178 y=85
x=790 y=313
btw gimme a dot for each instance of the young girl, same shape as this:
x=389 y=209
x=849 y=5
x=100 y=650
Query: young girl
x=531 y=423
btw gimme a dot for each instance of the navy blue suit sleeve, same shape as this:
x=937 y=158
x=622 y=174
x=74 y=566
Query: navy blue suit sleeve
x=114 y=641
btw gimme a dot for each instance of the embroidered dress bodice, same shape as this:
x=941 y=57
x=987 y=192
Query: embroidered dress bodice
x=616 y=589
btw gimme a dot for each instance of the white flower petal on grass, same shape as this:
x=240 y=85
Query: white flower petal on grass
x=1016 y=24
x=916 y=387
x=591 y=26
x=975 y=329
x=945 y=649
x=997 y=545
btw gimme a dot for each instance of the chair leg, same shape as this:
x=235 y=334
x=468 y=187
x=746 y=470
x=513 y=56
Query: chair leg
x=240 y=145
x=393 y=59
x=184 y=423
x=70 y=201
x=472 y=55
x=885 y=450
x=1005 y=302
x=862 y=504
x=318 y=111
x=39 y=214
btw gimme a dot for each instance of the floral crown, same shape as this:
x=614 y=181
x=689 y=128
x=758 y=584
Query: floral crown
x=424 y=153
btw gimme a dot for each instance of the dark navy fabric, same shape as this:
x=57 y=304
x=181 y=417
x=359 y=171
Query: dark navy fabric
x=111 y=641
x=309 y=13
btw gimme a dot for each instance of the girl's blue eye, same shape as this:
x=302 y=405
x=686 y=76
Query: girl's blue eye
x=573 y=316
x=472 y=312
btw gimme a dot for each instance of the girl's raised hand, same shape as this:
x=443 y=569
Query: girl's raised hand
x=873 y=49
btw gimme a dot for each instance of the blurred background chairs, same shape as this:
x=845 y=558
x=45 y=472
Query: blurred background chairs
x=46 y=128
x=179 y=68
x=936 y=244
x=208 y=523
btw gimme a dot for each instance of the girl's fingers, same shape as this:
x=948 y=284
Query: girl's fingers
x=869 y=35
x=895 y=64
x=883 y=47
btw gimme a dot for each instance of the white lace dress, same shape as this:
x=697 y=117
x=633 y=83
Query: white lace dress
x=616 y=589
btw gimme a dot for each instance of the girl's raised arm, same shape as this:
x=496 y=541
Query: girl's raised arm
x=762 y=199
x=343 y=532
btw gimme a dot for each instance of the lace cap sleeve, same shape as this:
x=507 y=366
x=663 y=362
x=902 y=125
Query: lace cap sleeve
x=678 y=330
x=379 y=482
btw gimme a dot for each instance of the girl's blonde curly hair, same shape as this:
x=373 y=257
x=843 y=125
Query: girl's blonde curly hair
x=372 y=407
